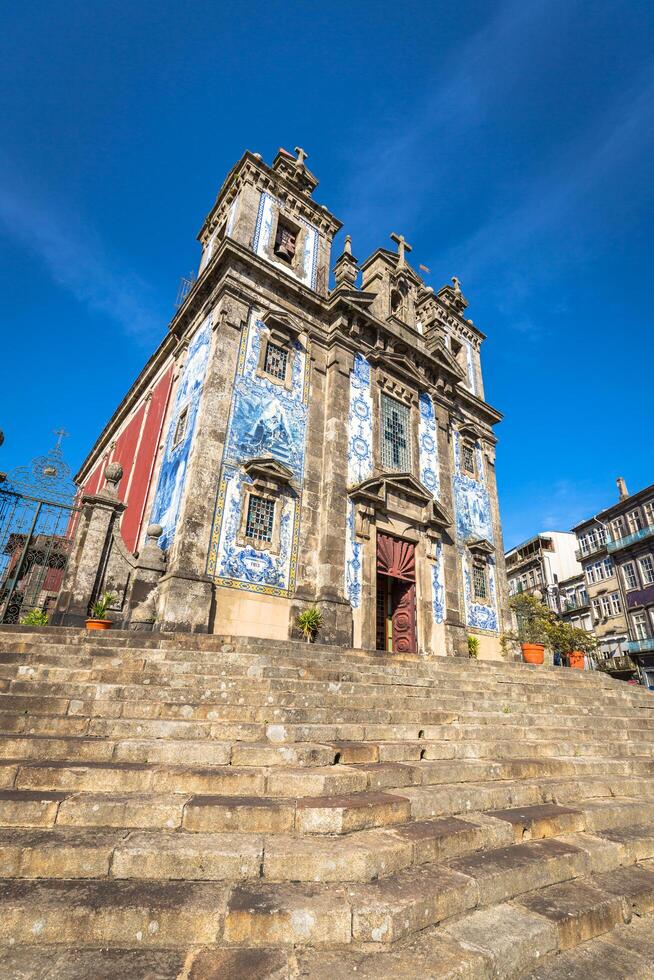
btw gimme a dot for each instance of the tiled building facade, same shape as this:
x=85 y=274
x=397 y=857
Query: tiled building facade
x=316 y=446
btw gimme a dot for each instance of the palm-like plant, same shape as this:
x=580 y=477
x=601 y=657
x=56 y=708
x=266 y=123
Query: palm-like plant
x=309 y=622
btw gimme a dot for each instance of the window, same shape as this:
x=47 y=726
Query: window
x=285 y=241
x=468 y=458
x=606 y=606
x=629 y=575
x=597 y=610
x=583 y=545
x=608 y=568
x=260 y=519
x=616 y=605
x=648 y=511
x=180 y=428
x=479 y=581
x=639 y=625
x=275 y=361
x=634 y=521
x=395 y=435
x=617 y=526
x=647 y=569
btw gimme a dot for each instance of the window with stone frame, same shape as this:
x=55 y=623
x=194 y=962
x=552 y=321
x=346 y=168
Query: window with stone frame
x=480 y=589
x=275 y=362
x=260 y=520
x=395 y=435
x=629 y=575
x=180 y=427
x=286 y=236
x=647 y=569
x=640 y=625
x=468 y=458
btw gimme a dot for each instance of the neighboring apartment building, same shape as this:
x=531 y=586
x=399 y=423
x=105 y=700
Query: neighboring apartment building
x=609 y=623
x=574 y=602
x=540 y=564
x=630 y=544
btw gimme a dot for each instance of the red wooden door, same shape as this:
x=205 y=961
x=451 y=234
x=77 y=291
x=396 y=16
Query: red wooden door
x=404 y=617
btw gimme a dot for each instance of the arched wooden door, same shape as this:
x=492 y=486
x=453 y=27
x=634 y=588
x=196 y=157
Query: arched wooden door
x=396 y=594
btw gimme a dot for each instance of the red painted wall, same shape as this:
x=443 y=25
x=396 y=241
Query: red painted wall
x=135 y=450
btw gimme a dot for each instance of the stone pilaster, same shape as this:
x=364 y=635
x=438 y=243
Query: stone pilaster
x=186 y=592
x=84 y=573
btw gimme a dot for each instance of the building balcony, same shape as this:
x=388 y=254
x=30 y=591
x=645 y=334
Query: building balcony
x=591 y=550
x=620 y=543
x=640 y=646
x=570 y=605
x=616 y=665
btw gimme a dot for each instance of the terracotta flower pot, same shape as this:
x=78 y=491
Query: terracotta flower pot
x=576 y=659
x=533 y=653
x=99 y=624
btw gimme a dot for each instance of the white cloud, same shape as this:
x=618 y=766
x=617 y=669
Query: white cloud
x=76 y=260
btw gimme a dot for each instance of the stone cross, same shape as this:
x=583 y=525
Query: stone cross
x=301 y=156
x=402 y=247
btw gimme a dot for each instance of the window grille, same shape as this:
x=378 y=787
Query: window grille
x=395 y=440
x=180 y=428
x=479 y=583
x=261 y=515
x=468 y=458
x=276 y=361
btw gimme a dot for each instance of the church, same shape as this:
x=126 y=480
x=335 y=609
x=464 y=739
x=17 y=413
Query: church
x=311 y=433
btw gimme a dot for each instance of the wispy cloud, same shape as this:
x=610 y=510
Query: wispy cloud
x=77 y=261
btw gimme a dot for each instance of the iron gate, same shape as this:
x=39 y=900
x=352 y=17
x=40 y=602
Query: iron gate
x=38 y=519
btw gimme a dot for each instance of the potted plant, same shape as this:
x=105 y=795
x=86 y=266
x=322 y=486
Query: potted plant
x=582 y=643
x=473 y=647
x=309 y=622
x=533 y=620
x=98 y=619
x=35 y=617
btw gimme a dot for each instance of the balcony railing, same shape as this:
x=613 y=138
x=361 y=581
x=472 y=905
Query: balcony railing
x=569 y=605
x=591 y=549
x=617 y=664
x=642 y=535
x=640 y=646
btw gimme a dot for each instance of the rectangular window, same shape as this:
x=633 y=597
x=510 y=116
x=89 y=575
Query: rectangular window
x=617 y=526
x=606 y=606
x=479 y=582
x=639 y=626
x=180 y=428
x=468 y=458
x=634 y=521
x=629 y=575
x=395 y=435
x=647 y=570
x=583 y=545
x=276 y=361
x=648 y=512
x=616 y=605
x=260 y=519
x=608 y=567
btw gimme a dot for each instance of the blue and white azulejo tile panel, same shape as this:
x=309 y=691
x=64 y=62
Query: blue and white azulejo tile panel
x=438 y=586
x=172 y=475
x=481 y=615
x=471 y=500
x=266 y=420
x=359 y=467
x=428 y=445
x=359 y=424
x=261 y=242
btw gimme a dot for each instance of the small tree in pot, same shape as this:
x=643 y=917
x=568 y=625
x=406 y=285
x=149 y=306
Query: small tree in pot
x=533 y=621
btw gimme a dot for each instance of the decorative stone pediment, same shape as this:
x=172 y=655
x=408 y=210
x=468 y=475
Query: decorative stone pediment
x=447 y=362
x=440 y=516
x=470 y=431
x=268 y=472
x=399 y=363
x=404 y=494
x=282 y=322
x=481 y=548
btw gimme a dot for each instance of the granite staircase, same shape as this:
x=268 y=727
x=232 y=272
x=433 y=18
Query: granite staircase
x=205 y=807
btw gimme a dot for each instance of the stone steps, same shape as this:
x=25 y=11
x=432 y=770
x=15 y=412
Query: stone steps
x=249 y=808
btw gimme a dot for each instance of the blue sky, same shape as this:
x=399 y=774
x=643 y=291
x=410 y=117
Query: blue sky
x=511 y=142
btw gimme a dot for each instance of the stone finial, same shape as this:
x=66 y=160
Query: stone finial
x=457 y=286
x=301 y=156
x=346 y=269
x=113 y=474
x=623 y=493
x=154 y=531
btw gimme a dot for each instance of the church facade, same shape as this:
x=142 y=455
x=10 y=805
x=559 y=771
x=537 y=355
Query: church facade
x=303 y=445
